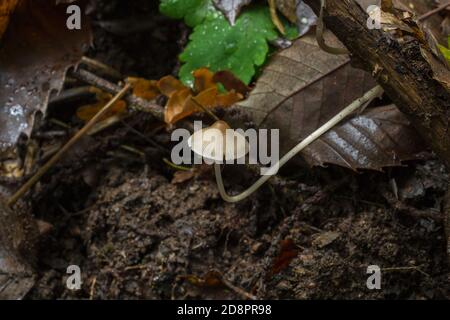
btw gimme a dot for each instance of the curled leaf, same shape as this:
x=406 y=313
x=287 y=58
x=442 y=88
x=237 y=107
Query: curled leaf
x=143 y=88
x=169 y=85
x=205 y=92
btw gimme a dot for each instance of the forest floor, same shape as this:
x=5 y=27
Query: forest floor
x=138 y=233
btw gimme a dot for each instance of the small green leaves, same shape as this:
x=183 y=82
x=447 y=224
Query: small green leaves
x=217 y=45
x=194 y=12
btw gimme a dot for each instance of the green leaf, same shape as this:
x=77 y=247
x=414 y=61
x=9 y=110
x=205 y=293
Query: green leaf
x=241 y=48
x=194 y=12
x=445 y=51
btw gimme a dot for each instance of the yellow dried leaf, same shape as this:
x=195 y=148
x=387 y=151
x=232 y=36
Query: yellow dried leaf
x=206 y=93
x=87 y=112
x=176 y=107
x=168 y=85
x=203 y=80
x=143 y=88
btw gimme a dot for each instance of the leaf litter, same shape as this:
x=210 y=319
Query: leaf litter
x=236 y=243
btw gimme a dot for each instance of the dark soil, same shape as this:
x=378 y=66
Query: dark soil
x=137 y=235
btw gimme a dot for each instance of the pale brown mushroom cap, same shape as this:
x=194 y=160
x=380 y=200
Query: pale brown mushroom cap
x=218 y=143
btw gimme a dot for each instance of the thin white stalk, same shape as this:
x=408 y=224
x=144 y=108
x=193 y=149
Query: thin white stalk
x=355 y=105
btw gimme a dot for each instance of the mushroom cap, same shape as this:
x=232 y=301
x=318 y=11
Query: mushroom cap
x=218 y=143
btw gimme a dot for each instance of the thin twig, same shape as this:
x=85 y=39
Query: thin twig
x=414 y=268
x=33 y=180
x=434 y=11
x=92 y=289
x=133 y=101
x=238 y=290
x=209 y=112
x=103 y=68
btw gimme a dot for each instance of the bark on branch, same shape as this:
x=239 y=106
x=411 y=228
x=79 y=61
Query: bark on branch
x=400 y=69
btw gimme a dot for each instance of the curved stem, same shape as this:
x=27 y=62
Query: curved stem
x=319 y=34
x=355 y=105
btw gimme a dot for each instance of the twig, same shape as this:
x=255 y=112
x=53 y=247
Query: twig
x=434 y=11
x=92 y=289
x=133 y=101
x=105 y=69
x=239 y=291
x=73 y=94
x=33 y=180
x=209 y=112
x=414 y=268
x=174 y=166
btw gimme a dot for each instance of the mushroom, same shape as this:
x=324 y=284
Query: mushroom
x=219 y=138
x=218 y=143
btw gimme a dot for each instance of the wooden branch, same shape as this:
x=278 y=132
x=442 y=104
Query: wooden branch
x=133 y=101
x=399 y=68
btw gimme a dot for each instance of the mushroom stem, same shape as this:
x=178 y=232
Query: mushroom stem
x=355 y=105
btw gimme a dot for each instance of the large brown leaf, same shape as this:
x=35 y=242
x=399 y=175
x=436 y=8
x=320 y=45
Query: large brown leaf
x=35 y=53
x=377 y=138
x=303 y=87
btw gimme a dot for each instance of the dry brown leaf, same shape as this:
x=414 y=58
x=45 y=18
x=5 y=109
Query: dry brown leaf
x=177 y=106
x=6 y=9
x=206 y=93
x=303 y=87
x=37 y=49
x=212 y=279
x=87 y=112
x=288 y=8
x=168 y=85
x=378 y=138
x=203 y=80
x=288 y=251
x=230 y=82
x=143 y=88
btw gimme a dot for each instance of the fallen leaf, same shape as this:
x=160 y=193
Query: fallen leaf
x=168 y=85
x=212 y=279
x=37 y=49
x=288 y=8
x=143 y=88
x=87 y=112
x=378 y=138
x=306 y=18
x=288 y=251
x=6 y=9
x=17 y=231
x=231 y=82
x=197 y=171
x=181 y=105
x=303 y=87
x=326 y=238
x=231 y=8
x=203 y=80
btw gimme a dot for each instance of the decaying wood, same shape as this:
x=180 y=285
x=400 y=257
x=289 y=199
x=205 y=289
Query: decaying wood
x=400 y=68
